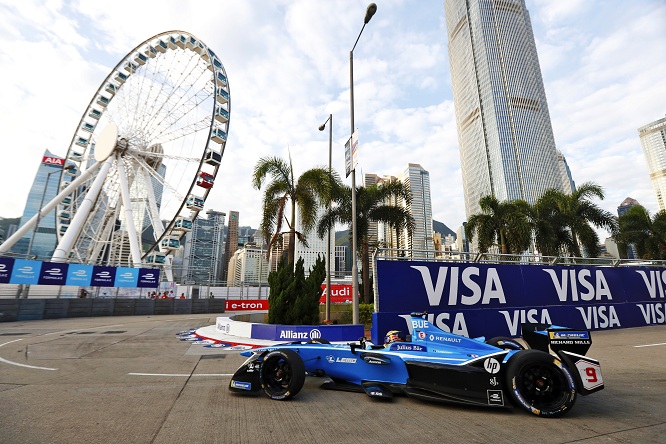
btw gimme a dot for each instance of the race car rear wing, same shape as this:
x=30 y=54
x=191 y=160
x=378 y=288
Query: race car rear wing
x=543 y=336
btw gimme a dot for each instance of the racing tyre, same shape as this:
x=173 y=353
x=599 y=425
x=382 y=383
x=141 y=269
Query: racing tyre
x=282 y=374
x=505 y=343
x=539 y=383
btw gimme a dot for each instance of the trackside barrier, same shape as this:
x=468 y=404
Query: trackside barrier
x=288 y=333
x=34 y=309
x=493 y=299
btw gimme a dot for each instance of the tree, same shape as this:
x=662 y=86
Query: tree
x=307 y=193
x=371 y=206
x=647 y=234
x=504 y=224
x=551 y=233
x=294 y=299
x=580 y=215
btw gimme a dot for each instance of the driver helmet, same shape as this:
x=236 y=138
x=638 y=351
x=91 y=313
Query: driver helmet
x=394 y=336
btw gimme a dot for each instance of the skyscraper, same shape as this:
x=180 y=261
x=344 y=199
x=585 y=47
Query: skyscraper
x=231 y=243
x=653 y=141
x=41 y=241
x=202 y=255
x=417 y=180
x=316 y=247
x=507 y=148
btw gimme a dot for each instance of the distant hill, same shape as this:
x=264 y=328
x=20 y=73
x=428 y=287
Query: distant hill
x=342 y=237
x=439 y=227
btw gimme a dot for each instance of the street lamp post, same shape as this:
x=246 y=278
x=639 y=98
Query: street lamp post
x=370 y=11
x=328 y=237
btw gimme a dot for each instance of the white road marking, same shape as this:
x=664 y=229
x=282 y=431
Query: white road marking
x=6 y=361
x=649 y=345
x=180 y=374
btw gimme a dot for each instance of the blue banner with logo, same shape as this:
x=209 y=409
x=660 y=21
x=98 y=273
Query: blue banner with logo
x=494 y=299
x=304 y=333
x=28 y=272
x=148 y=278
x=126 y=277
x=53 y=273
x=6 y=266
x=25 y=272
x=79 y=274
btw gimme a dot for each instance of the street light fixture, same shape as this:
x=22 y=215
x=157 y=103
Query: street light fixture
x=328 y=238
x=370 y=11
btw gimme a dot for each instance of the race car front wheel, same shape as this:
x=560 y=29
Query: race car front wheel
x=540 y=383
x=282 y=374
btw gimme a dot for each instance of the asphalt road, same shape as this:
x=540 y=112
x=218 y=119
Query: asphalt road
x=129 y=380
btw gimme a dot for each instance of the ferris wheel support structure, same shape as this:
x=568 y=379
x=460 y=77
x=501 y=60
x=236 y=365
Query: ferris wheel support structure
x=61 y=253
x=46 y=209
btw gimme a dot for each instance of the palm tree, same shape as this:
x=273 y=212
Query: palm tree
x=580 y=215
x=551 y=233
x=500 y=223
x=646 y=233
x=371 y=206
x=308 y=193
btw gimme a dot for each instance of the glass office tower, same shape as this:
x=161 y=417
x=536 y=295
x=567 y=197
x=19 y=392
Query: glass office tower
x=507 y=148
x=41 y=242
x=653 y=141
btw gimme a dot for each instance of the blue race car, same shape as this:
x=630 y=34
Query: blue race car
x=433 y=365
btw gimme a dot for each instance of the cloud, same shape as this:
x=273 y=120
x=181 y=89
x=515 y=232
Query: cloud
x=288 y=68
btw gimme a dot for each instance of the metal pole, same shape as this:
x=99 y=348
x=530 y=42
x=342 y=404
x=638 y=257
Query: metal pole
x=354 y=270
x=328 y=239
x=370 y=11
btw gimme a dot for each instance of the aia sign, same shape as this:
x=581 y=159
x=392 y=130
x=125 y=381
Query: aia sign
x=53 y=161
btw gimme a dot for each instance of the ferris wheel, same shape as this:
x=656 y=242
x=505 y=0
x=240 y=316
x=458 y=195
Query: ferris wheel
x=145 y=155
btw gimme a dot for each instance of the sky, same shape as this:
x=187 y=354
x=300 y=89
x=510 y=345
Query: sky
x=287 y=62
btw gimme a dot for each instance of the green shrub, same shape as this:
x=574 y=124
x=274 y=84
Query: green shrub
x=294 y=299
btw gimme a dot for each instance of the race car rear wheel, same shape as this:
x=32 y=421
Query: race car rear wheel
x=505 y=343
x=282 y=374
x=540 y=383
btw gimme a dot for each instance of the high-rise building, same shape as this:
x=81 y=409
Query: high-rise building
x=417 y=180
x=340 y=262
x=653 y=141
x=568 y=184
x=624 y=206
x=507 y=148
x=231 y=242
x=41 y=242
x=202 y=255
x=316 y=247
x=247 y=266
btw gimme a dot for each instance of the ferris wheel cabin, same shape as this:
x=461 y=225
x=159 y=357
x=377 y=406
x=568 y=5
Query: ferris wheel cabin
x=205 y=180
x=170 y=242
x=156 y=257
x=194 y=203
x=183 y=224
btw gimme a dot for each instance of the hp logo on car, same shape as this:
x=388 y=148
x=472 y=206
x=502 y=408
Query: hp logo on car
x=315 y=334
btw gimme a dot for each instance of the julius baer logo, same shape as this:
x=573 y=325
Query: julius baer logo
x=468 y=287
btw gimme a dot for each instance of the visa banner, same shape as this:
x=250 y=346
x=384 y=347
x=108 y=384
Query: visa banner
x=494 y=299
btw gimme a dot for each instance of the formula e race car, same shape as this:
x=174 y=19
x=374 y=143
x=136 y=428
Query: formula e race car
x=434 y=365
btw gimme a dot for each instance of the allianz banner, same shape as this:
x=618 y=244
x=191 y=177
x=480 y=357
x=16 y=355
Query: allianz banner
x=493 y=299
